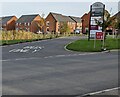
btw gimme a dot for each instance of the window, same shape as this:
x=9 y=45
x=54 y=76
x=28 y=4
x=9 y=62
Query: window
x=4 y=24
x=47 y=29
x=16 y=24
x=1 y=28
x=47 y=23
x=25 y=24
x=28 y=24
x=17 y=29
x=28 y=29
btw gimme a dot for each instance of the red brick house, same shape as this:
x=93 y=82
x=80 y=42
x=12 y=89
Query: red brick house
x=114 y=20
x=8 y=23
x=54 y=21
x=28 y=23
x=78 y=22
x=85 y=22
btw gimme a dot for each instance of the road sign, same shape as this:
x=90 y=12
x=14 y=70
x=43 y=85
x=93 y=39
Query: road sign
x=99 y=35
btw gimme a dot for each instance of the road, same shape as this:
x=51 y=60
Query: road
x=46 y=68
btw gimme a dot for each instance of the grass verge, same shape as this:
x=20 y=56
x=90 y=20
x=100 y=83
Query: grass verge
x=88 y=46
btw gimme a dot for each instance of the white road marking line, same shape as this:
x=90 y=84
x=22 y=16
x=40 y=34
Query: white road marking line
x=55 y=56
x=59 y=55
x=25 y=49
x=98 y=92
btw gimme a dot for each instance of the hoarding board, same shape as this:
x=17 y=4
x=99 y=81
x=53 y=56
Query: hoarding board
x=96 y=19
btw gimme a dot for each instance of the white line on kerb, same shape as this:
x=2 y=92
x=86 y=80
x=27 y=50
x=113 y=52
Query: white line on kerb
x=98 y=92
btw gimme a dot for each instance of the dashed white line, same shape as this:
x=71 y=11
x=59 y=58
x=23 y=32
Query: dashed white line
x=55 y=56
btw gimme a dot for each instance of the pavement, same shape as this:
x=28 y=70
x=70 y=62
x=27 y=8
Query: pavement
x=46 y=68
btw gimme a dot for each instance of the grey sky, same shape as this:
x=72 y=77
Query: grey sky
x=66 y=8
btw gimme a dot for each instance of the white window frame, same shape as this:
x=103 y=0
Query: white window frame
x=28 y=24
x=25 y=24
x=16 y=24
x=47 y=23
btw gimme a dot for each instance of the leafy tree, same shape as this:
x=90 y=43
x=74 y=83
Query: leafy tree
x=107 y=21
x=40 y=24
x=64 y=28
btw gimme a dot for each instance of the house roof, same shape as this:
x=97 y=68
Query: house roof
x=5 y=19
x=61 y=18
x=117 y=14
x=76 y=19
x=26 y=18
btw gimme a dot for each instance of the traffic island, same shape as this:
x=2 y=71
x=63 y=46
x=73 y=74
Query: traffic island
x=93 y=45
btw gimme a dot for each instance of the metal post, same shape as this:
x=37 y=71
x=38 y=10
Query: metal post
x=89 y=23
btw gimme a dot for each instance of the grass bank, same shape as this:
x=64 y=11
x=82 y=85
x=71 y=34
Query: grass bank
x=88 y=46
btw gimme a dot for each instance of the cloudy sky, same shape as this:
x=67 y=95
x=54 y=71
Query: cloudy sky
x=76 y=8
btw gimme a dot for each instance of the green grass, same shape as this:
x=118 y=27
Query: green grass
x=88 y=46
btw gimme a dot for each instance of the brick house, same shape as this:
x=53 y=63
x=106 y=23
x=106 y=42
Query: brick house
x=28 y=23
x=78 y=22
x=112 y=28
x=54 y=21
x=7 y=23
x=85 y=22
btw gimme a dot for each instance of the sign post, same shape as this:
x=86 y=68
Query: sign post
x=97 y=10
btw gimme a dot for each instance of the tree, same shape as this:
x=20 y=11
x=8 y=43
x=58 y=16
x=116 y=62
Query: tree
x=107 y=21
x=64 y=28
x=40 y=24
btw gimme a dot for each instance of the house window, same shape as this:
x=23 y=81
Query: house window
x=16 y=24
x=25 y=24
x=17 y=29
x=19 y=23
x=47 y=23
x=47 y=29
x=28 y=24
x=1 y=28
x=28 y=29
x=20 y=28
x=4 y=24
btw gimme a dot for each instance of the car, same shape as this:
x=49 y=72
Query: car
x=77 y=31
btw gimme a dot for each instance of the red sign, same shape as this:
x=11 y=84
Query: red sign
x=99 y=35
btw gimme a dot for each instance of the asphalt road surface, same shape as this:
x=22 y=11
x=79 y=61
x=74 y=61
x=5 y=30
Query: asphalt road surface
x=46 y=68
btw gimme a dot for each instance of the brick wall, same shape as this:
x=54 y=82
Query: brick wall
x=50 y=24
x=85 y=22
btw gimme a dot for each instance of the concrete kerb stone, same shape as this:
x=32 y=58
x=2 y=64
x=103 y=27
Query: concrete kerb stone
x=65 y=47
